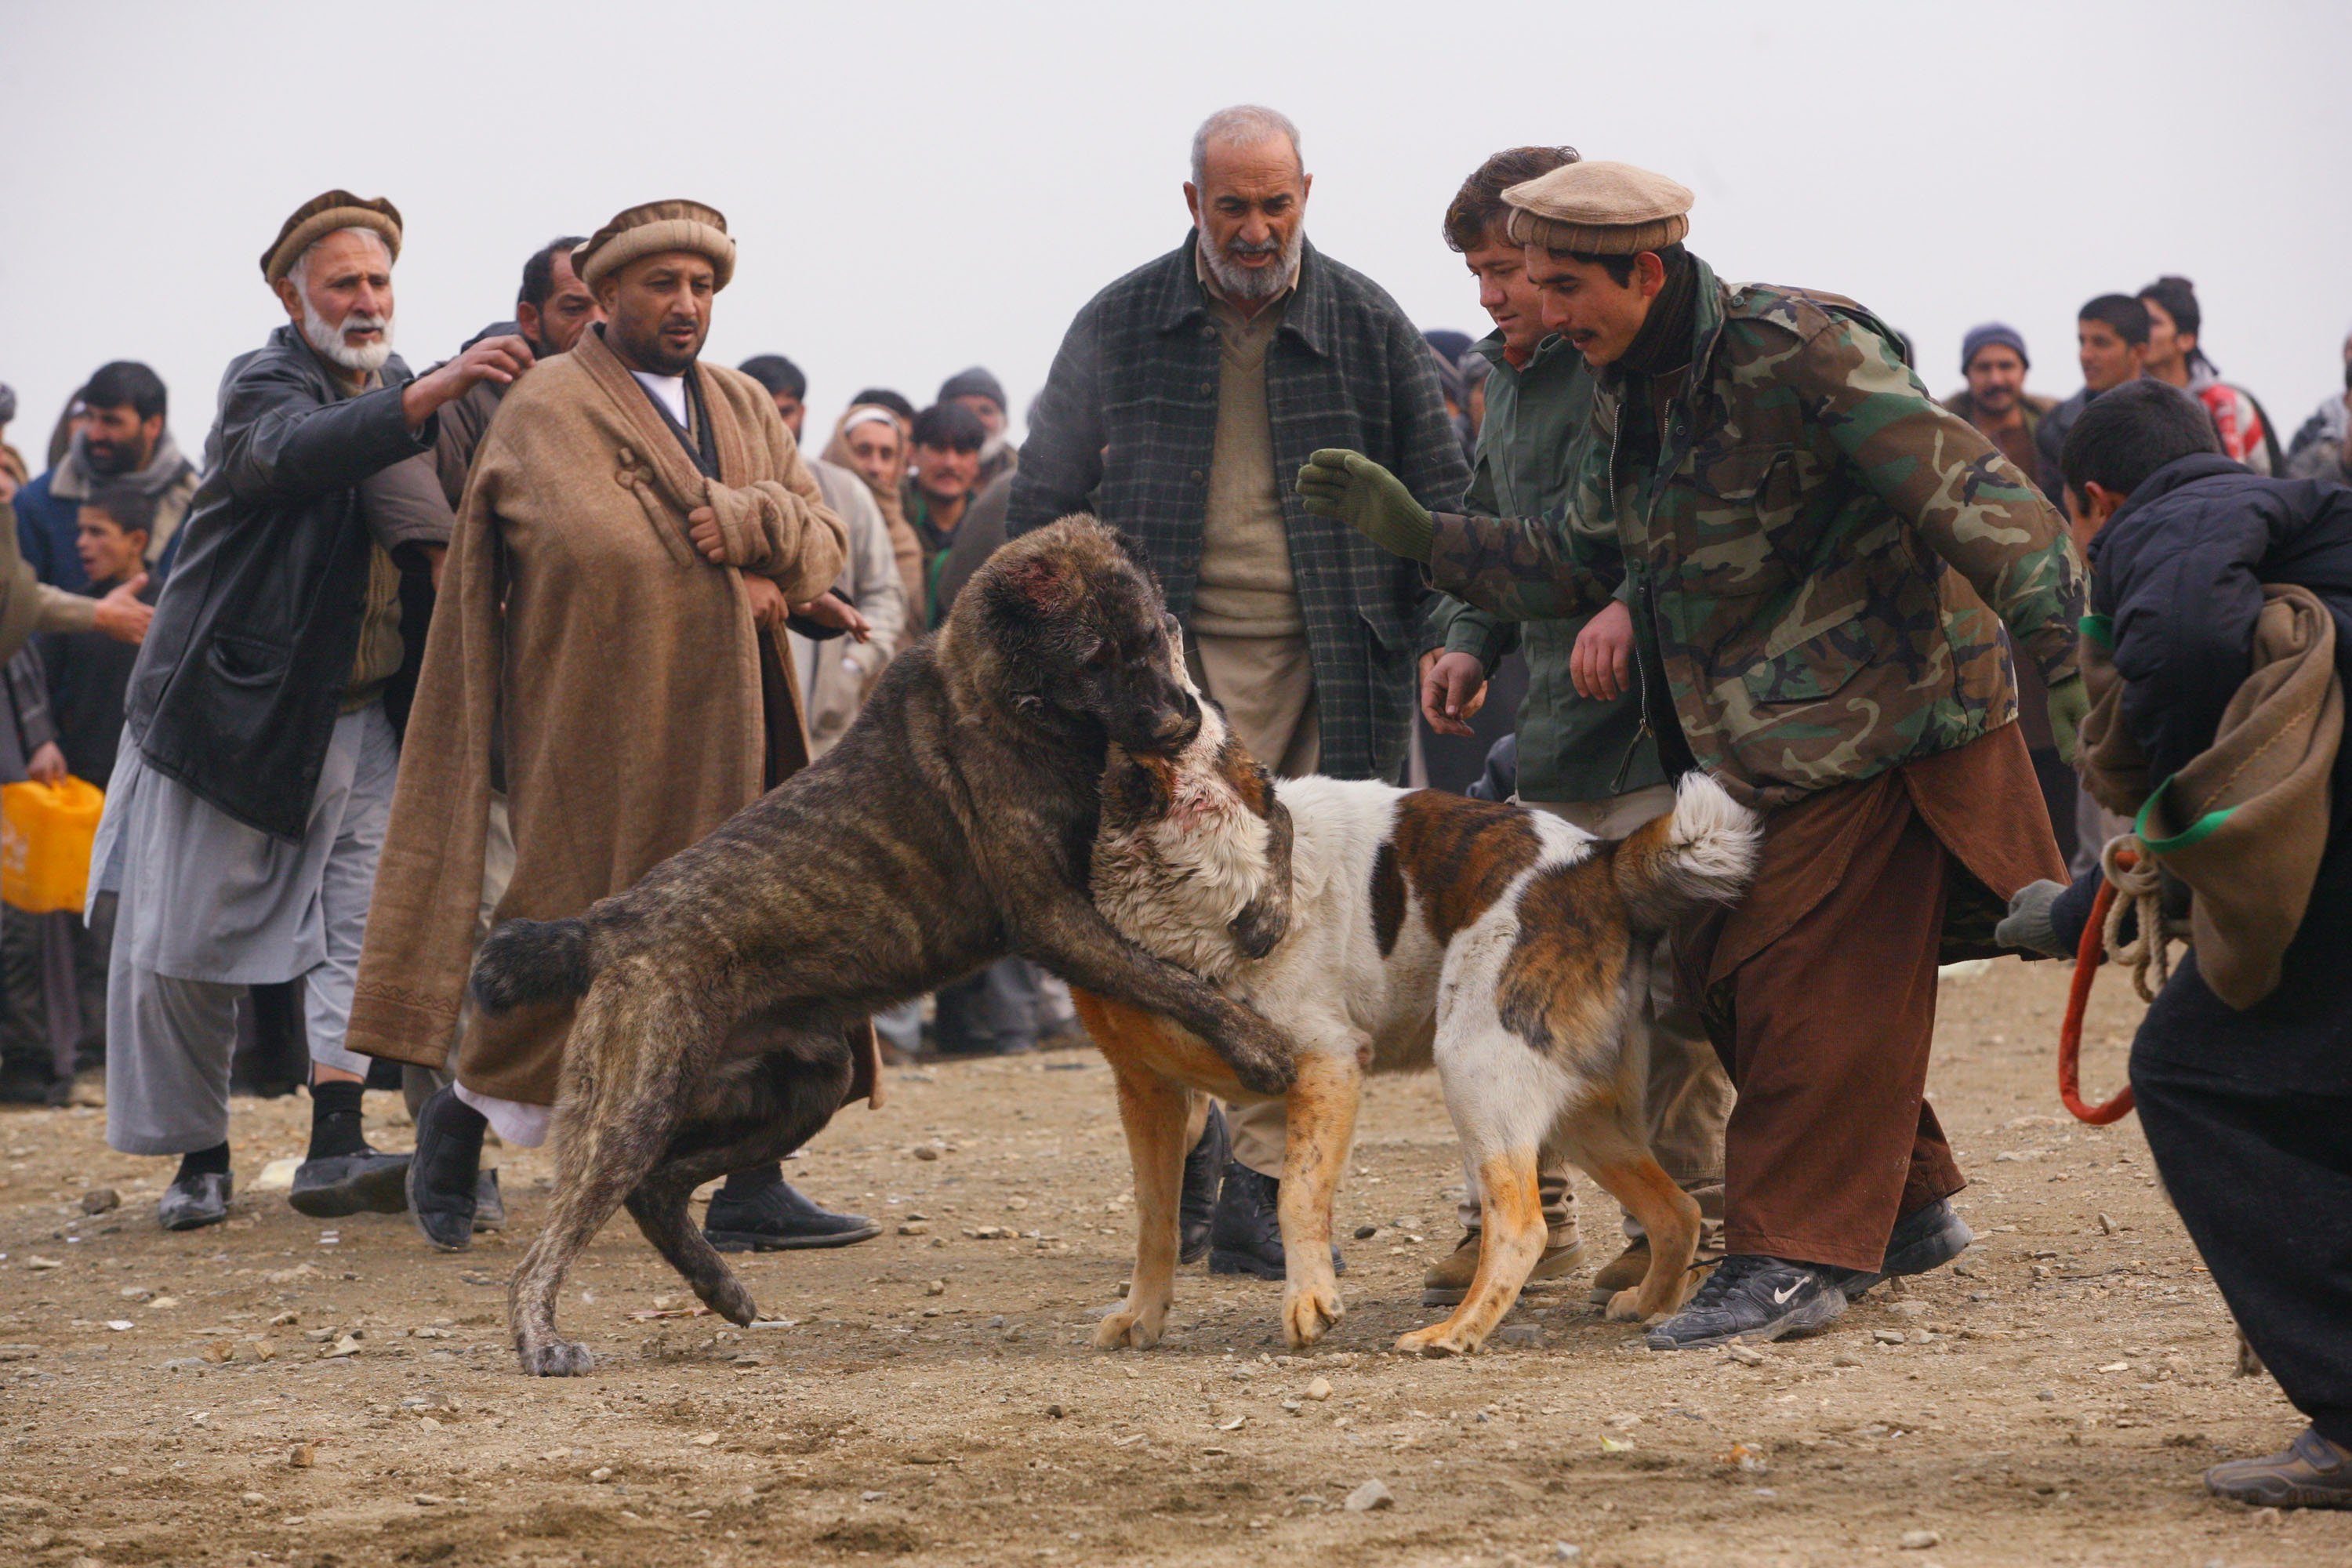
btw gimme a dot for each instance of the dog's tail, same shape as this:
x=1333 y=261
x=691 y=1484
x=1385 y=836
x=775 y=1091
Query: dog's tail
x=527 y=962
x=1704 y=851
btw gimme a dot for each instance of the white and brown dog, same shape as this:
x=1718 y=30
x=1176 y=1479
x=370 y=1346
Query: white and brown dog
x=1501 y=945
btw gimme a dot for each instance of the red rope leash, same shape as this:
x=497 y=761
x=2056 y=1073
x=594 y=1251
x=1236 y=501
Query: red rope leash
x=2088 y=956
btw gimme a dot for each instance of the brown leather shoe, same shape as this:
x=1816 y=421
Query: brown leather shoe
x=1448 y=1279
x=2313 y=1473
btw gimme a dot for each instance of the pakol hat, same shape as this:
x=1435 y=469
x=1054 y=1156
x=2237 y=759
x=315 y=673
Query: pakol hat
x=323 y=216
x=651 y=229
x=1599 y=209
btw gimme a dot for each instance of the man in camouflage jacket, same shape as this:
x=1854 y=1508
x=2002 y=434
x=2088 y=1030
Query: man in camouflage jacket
x=1821 y=562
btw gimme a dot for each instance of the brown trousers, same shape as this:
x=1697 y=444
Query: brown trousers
x=1825 y=1028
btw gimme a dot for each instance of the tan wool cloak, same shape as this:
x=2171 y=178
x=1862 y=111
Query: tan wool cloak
x=624 y=676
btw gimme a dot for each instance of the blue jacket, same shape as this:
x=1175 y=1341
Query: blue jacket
x=45 y=525
x=2179 y=571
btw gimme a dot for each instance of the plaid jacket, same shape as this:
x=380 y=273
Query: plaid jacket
x=1124 y=429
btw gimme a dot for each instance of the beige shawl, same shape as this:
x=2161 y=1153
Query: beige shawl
x=624 y=675
x=904 y=547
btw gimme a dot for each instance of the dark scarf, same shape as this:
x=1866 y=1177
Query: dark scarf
x=1663 y=343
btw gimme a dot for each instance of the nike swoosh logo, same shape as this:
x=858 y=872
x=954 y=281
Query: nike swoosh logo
x=1781 y=1298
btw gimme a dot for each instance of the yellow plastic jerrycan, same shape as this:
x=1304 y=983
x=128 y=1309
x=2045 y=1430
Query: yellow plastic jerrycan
x=45 y=837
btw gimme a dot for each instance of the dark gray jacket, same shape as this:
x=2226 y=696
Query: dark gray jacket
x=244 y=669
x=1126 y=421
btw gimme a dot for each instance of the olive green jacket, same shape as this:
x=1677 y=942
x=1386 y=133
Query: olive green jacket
x=1822 y=557
x=1537 y=424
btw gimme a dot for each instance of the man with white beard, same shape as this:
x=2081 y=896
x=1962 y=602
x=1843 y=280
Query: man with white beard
x=1185 y=398
x=248 y=804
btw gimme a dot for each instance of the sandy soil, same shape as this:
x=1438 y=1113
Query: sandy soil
x=279 y=1391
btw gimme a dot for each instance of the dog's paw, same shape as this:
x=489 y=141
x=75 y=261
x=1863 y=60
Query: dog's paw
x=556 y=1358
x=1438 y=1339
x=727 y=1297
x=1309 y=1313
x=1124 y=1329
x=1625 y=1307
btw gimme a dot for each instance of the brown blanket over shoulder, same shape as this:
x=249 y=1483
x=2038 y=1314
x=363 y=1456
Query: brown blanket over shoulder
x=626 y=669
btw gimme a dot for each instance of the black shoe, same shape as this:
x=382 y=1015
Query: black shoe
x=1927 y=1238
x=1203 y=1169
x=444 y=1179
x=369 y=1182
x=777 y=1219
x=1246 y=1236
x=2313 y=1473
x=199 y=1201
x=490 y=1203
x=1753 y=1297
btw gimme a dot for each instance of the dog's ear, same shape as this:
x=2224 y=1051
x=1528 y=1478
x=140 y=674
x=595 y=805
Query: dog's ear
x=1036 y=586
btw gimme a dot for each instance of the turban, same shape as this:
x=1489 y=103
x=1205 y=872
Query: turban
x=651 y=229
x=325 y=215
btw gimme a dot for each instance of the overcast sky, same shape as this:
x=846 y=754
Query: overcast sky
x=915 y=188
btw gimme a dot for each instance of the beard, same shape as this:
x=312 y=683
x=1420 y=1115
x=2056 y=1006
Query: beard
x=1255 y=284
x=327 y=338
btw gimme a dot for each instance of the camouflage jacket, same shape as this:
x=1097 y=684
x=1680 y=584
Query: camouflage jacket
x=1812 y=542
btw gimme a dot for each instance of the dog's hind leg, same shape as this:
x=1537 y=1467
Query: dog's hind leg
x=618 y=1112
x=794 y=1107
x=1156 y=1111
x=1671 y=1217
x=1320 y=1126
x=1513 y=1238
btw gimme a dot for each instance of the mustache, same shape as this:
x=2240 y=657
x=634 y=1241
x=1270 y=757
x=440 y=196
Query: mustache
x=1243 y=248
x=361 y=320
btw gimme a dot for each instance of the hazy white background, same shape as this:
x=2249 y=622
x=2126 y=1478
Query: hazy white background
x=917 y=187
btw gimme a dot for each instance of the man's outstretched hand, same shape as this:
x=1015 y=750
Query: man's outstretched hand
x=1452 y=690
x=122 y=614
x=830 y=609
x=1368 y=499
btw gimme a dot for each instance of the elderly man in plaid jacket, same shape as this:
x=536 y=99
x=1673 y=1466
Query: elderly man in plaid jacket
x=1183 y=398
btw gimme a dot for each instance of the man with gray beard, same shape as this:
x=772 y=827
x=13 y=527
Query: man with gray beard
x=1184 y=397
x=248 y=804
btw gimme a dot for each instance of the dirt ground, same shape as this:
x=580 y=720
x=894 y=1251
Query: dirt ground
x=281 y=1390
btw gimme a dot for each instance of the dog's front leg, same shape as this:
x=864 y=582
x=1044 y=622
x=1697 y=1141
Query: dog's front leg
x=1156 y=1112
x=1511 y=1210
x=1320 y=1126
x=1070 y=936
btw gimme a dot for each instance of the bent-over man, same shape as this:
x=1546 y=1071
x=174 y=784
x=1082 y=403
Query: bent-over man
x=636 y=526
x=1820 y=562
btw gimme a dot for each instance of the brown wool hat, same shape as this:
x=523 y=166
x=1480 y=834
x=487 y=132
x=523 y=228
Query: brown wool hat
x=654 y=228
x=323 y=216
x=1599 y=209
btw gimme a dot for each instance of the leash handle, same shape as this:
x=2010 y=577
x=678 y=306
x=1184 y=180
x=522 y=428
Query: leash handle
x=2088 y=955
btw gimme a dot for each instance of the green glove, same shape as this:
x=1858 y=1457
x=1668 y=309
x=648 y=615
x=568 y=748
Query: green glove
x=2070 y=704
x=1368 y=499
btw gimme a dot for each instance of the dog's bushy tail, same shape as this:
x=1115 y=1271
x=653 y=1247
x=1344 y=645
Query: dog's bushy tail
x=1704 y=851
x=527 y=962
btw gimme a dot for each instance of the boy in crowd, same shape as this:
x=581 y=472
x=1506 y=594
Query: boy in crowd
x=2248 y=1110
x=2111 y=342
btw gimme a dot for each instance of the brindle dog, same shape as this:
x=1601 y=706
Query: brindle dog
x=953 y=824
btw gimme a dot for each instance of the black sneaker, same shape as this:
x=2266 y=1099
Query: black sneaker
x=2314 y=1472
x=778 y=1219
x=199 y=1201
x=1755 y=1298
x=444 y=1179
x=1203 y=1167
x=370 y=1182
x=1245 y=1238
x=1927 y=1238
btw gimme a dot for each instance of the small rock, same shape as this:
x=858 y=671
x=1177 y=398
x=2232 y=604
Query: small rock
x=253 y=1499
x=347 y=1345
x=2107 y=1226
x=704 y=1440
x=98 y=1200
x=1845 y=1358
x=1520 y=1335
x=164 y=1303
x=303 y=1456
x=285 y=1319
x=36 y=1263
x=1321 y=1389
x=216 y=1352
x=915 y=1227
x=277 y=1175
x=601 y=1474
x=871 y=1497
x=926 y=1152
x=1370 y=1497
x=1887 y=1336
x=1907 y=1309
x=936 y=1288
x=1746 y=1355
x=1016 y=1204
x=1366 y=1232
x=1567 y=1551
x=1055 y=1412
x=1918 y=1540
x=2268 y=1516
x=429 y=1500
